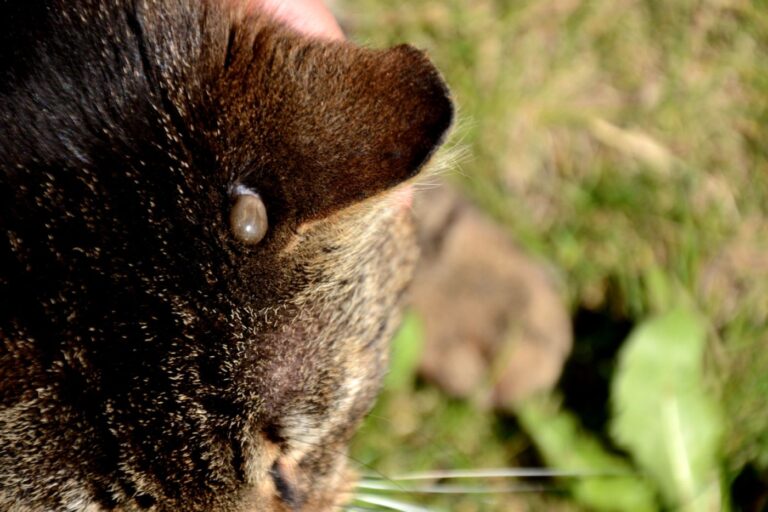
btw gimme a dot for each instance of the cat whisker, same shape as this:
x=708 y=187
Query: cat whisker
x=389 y=503
x=506 y=473
x=446 y=161
x=418 y=187
x=455 y=489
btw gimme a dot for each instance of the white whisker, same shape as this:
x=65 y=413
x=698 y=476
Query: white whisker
x=453 y=489
x=505 y=473
x=389 y=503
x=418 y=187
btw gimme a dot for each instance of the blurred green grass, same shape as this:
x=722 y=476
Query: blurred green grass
x=626 y=142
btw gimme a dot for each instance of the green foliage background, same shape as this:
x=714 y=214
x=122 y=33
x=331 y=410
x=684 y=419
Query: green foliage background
x=626 y=142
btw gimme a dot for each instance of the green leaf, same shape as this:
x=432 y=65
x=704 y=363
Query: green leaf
x=407 y=347
x=662 y=414
x=603 y=481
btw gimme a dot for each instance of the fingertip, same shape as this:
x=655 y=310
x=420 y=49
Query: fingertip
x=310 y=17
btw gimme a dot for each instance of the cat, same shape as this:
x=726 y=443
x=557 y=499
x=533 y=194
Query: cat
x=205 y=246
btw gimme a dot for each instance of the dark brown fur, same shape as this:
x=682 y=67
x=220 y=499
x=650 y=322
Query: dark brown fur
x=149 y=359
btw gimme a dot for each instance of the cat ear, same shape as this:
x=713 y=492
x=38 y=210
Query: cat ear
x=360 y=122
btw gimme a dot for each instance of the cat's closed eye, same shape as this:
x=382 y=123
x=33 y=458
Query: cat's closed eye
x=283 y=473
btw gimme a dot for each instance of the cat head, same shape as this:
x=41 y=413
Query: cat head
x=207 y=249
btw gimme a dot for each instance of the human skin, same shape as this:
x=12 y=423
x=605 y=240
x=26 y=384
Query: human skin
x=311 y=17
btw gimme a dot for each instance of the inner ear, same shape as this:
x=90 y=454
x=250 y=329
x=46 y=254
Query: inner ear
x=356 y=122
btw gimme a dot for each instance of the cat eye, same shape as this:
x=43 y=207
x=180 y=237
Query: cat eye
x=283 y=475
x=248 y=218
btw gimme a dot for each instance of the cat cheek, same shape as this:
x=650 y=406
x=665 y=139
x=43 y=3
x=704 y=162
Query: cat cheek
x=248 y=218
